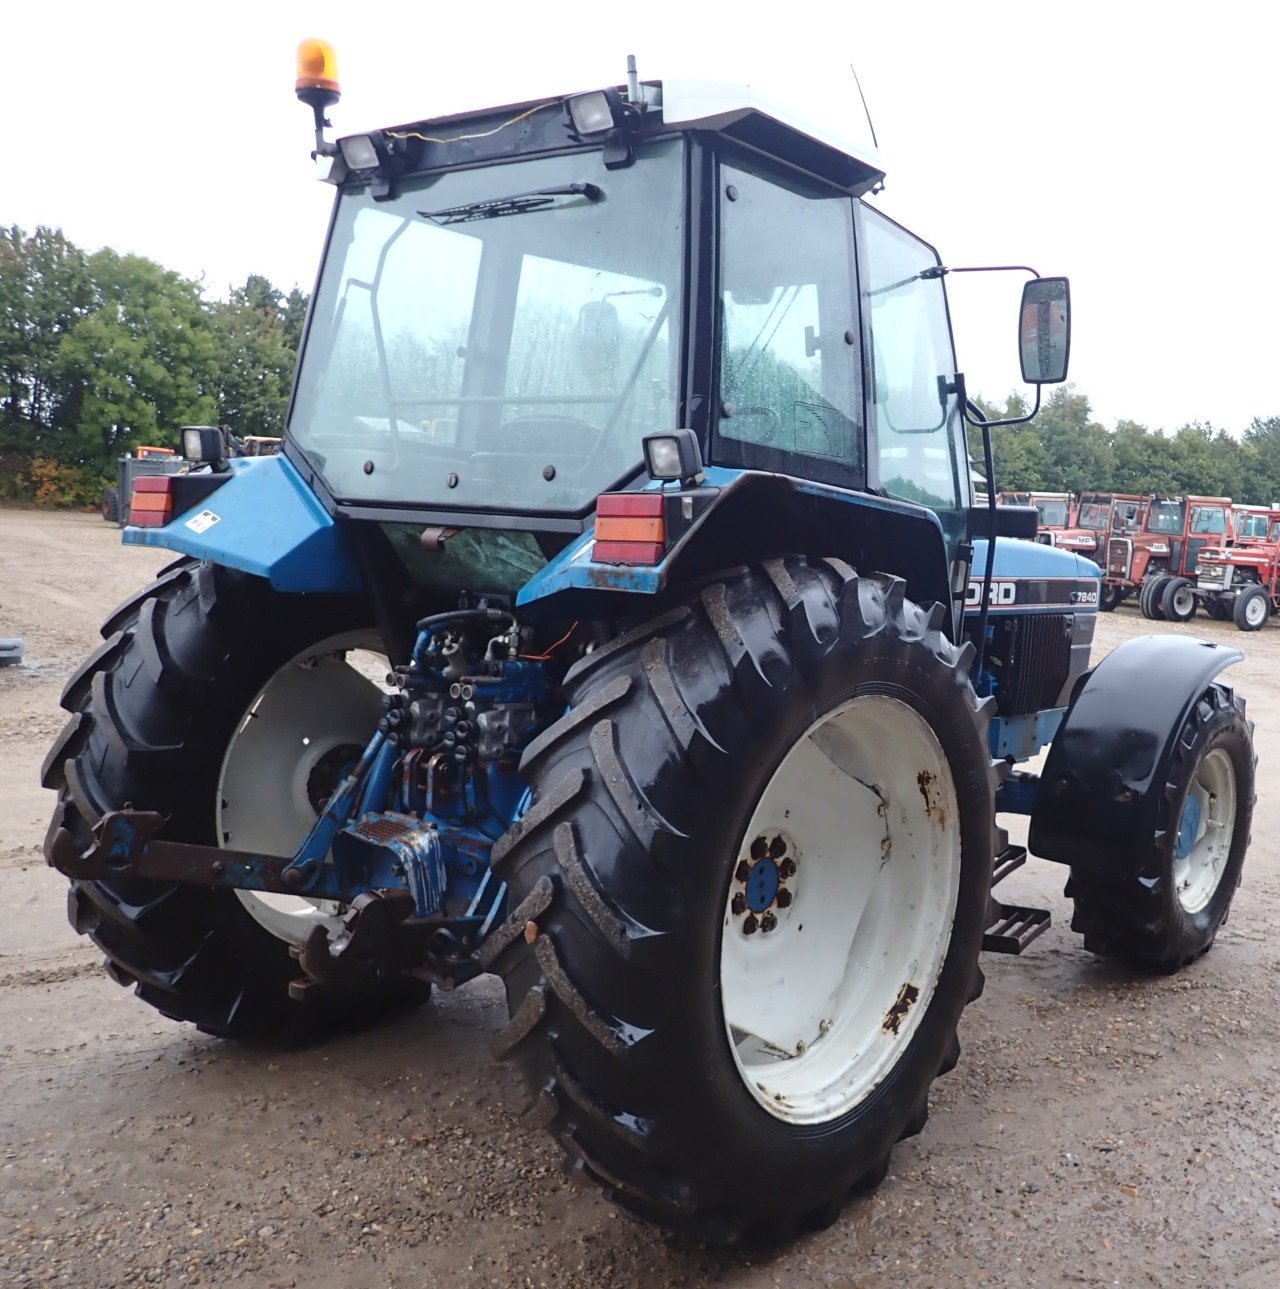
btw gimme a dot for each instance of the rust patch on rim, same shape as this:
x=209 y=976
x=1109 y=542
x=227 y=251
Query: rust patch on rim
x=901 y=1006
x=925 y=781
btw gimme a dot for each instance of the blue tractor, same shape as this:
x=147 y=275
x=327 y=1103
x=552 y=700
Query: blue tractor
x=618 y=618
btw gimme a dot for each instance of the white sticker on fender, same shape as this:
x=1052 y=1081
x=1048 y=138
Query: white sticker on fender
x=202 y=522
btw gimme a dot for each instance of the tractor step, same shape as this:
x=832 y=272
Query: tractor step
x=1007 y=861
x=1014 y=928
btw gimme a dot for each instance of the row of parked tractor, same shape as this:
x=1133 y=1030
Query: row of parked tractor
x=1174 y=554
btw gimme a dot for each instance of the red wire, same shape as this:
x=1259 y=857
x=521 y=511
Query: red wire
x=542 y=657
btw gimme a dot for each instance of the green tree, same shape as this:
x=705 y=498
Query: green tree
x=45 y=288
x=255 y=357
x=140 y=364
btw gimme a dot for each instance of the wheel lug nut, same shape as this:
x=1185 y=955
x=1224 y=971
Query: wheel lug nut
x=787 y=868
x=750 y=926
x=743 y=871
x=739 y=905
x=783 y=898
x=768 y=922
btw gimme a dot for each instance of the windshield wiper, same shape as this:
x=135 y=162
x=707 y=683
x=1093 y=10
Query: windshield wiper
x=517 y=204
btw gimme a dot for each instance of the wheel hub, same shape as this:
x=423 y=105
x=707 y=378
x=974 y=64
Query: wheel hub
x=760 y=881
x=1188 y=828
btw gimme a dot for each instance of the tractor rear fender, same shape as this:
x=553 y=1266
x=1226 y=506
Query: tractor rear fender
x=1106 y=769
x=753 y=516
x=262 y=518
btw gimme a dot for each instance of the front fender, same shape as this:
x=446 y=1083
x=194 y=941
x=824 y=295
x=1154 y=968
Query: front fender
x=264 y=520
x=1106 y=769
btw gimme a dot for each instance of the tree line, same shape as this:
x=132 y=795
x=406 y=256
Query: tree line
x=101 y=353
x=1065 y=450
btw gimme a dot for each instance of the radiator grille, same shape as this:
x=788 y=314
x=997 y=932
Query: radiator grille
x=1038 y=658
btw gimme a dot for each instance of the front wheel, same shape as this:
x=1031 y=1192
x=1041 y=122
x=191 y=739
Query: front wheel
x=1109 y=597
x=1165 y=907
x=749 y=898
x=1252 y=608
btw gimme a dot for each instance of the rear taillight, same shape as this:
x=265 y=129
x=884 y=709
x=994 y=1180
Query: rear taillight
x=151 y=505
x=630 y=528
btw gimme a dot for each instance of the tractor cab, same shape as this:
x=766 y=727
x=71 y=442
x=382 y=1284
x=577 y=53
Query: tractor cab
x=512 y=302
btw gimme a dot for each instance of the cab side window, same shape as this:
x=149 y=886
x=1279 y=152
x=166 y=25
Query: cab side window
x=918 y=428
x=789 y=359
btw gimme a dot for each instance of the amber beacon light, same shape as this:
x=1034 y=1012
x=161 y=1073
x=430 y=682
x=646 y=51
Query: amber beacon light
x=317 y=83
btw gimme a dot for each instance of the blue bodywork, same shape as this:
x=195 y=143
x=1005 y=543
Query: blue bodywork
x=263 y=520
x=1029 y=579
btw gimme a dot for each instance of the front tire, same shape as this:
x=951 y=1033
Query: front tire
x=1164 y=909
x=797 y=748
x=185 y=678
x=1252 y=608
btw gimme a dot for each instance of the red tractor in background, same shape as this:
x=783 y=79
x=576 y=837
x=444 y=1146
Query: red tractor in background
x=1239 y=582
x=1103 y=514
x=1159 y=561
x=1058 y=524
x=1250 y=525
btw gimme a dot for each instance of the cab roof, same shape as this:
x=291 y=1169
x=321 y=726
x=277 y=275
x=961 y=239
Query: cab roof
x=826 y=149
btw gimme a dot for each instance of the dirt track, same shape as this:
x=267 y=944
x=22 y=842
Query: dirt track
x=1101 y=1128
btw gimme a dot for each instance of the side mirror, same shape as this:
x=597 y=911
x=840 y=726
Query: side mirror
x=1044 y=330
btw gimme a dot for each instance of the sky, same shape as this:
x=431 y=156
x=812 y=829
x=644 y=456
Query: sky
x=1128 y=146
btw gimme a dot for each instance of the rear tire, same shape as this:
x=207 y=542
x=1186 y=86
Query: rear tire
x=1178 y=600
x=1217 y=609
x=1164 y=909
x=699 y=754
x=1109 y=598
x=111 y=505
x=1149 y=601
x=1252 y=608
x=154 y=711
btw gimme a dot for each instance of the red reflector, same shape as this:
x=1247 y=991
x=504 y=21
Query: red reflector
x=630 y=505
x=149 y=518
x=628 y=552
x=151 y=506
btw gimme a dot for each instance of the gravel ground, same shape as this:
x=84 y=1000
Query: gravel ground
x=1102 y=1127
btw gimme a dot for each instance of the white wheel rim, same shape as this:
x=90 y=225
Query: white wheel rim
x=821 y=1005
x=1205 y=831
x=287 y=744
x=1255 y=610
x=1184 y=601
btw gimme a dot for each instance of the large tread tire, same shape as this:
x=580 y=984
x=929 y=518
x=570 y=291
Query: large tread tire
x=1217 y=609
x=111 y=505
x=1109 y=598
x=1136 y=913
x=152 y=711
x=620 y=871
